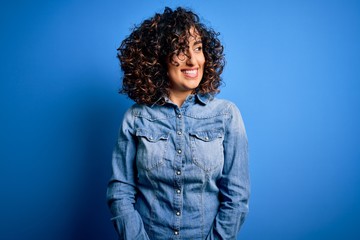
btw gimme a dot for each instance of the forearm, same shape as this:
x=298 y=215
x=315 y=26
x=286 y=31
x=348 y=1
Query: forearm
x=127 y=221
x=234 y=184
x=122 y=189
x=231 y=215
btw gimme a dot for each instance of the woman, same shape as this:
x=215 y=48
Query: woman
x=180 y=165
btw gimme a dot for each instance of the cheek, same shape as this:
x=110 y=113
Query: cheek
x=172 y=69
x=202 y=60
x=173 y=74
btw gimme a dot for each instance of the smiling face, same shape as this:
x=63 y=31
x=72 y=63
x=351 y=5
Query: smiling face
x=185 y=70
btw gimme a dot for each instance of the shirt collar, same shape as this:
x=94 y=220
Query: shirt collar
x=203 y=98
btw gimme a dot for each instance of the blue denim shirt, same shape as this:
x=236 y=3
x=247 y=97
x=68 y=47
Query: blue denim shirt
x=180 y=173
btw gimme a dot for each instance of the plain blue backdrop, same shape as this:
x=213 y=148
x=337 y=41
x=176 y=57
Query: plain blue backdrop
x=293 y=68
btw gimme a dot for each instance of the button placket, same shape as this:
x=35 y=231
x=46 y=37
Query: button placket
x=179 y=148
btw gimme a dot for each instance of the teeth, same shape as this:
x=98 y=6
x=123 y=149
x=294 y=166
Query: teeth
x=190 y=71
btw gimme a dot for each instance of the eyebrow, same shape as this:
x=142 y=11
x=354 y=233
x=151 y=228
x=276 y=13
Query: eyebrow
x=197 y=42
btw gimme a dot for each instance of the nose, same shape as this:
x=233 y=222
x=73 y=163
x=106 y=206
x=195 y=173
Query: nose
x=190 y=60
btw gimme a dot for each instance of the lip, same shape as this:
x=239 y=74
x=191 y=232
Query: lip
x=190 y=72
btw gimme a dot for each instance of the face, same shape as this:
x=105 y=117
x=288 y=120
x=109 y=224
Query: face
x=185 y=76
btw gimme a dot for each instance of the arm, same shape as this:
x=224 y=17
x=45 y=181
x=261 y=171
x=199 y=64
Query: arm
x=121 y=189
x=234 y=184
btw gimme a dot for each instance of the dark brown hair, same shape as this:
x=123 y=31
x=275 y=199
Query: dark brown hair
x=145 y=52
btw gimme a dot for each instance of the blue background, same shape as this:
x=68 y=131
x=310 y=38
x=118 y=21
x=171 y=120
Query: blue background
x=293 y=68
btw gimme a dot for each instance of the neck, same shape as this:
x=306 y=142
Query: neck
x=179 y=97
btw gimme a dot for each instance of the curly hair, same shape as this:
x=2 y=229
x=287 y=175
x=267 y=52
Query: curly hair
x=144 y=55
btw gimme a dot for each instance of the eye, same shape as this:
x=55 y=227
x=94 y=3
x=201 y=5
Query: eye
x=198 y=49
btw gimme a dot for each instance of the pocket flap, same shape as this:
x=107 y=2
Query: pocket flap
x=207 y=136
x=151 y=136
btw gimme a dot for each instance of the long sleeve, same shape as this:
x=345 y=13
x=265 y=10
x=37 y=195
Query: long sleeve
x=121 y=189
x=234 y=184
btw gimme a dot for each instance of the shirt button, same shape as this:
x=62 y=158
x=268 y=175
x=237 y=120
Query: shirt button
x=179 y=132
x=179 y=151
x=177 y=213
x=176 y=232
x=178 y=172
x=206 y=138
x=179 y=116
x=178 y=191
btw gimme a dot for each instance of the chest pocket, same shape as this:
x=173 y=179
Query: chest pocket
x=151 y=148
x=207 y=149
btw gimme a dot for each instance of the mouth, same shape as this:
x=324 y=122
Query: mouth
x=190 y=73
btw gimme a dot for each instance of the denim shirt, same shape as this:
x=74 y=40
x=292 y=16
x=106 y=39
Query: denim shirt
x=180 y=172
